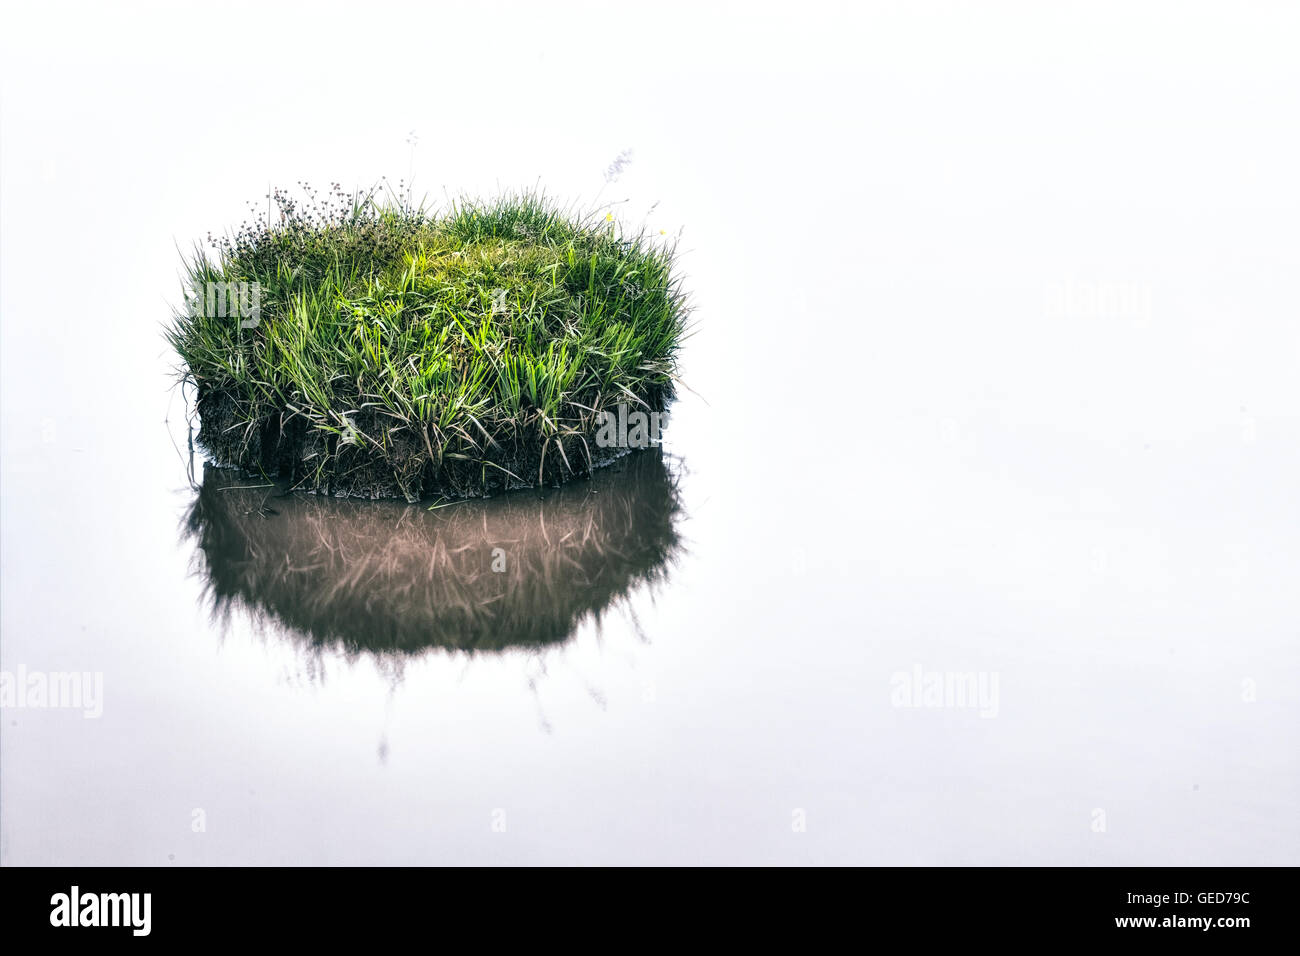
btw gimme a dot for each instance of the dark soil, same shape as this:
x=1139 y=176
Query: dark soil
x=288 y=447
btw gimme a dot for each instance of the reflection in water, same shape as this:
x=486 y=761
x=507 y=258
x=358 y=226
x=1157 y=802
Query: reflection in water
x=483 y=574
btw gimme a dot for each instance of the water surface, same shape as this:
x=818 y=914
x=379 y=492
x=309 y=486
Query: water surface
x=924 y=449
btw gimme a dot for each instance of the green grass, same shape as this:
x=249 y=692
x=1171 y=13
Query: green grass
x=404 y=352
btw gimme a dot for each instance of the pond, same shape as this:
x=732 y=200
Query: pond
x=971 y=539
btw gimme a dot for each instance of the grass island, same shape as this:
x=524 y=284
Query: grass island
x=369 y=348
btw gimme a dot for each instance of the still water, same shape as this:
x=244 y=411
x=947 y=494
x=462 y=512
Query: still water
x=613 y=672
x=972 y=541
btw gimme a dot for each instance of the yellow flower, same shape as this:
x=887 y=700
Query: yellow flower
x=662 y=233
x=609 y=217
